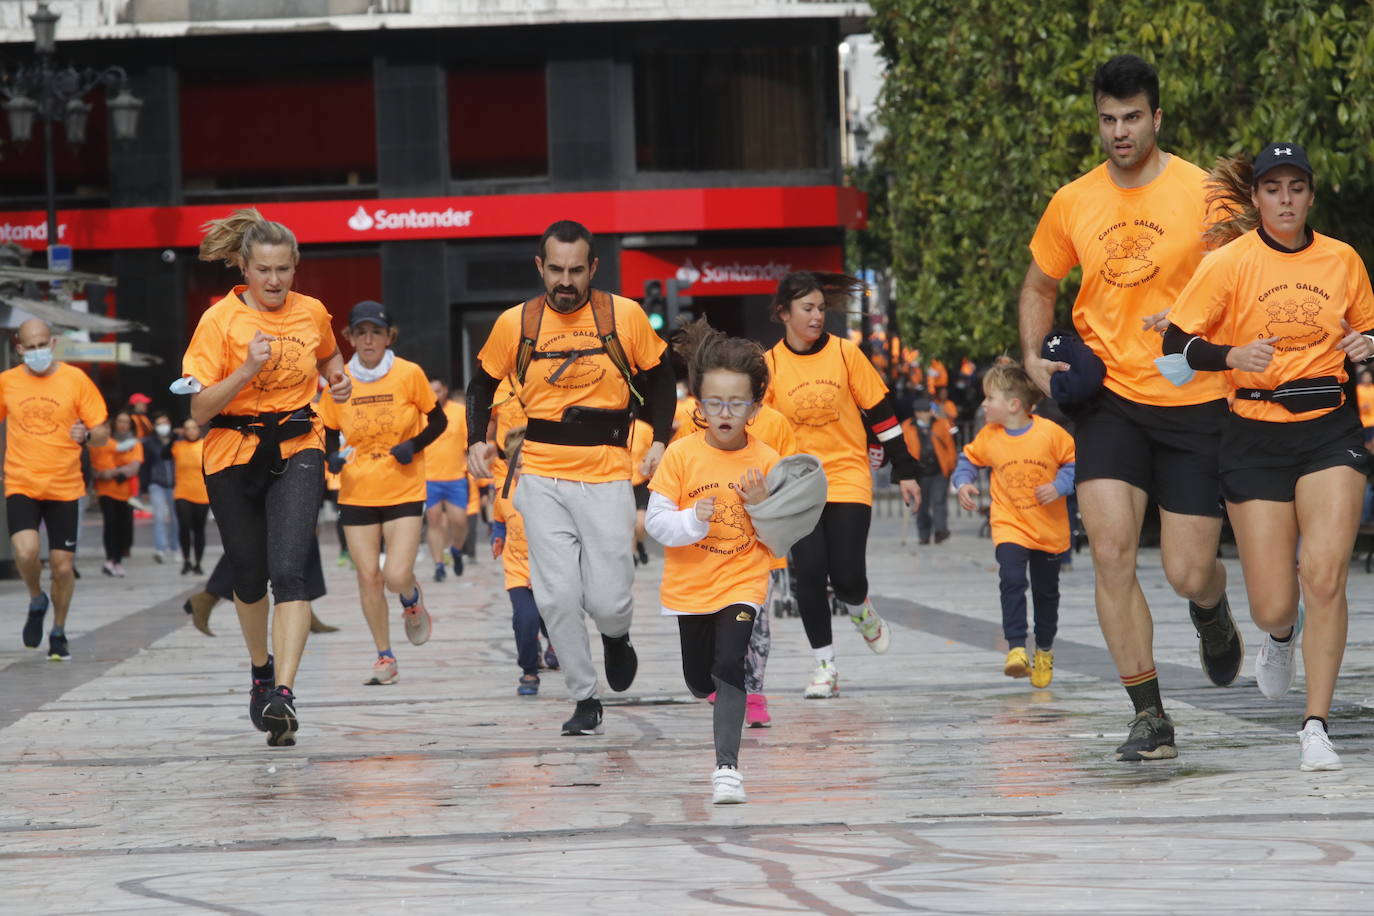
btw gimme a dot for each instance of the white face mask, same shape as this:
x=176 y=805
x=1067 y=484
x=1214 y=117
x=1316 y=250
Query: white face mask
x=163 y=429
x=38 y=359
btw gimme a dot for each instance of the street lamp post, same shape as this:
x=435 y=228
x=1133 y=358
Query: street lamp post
x=50 y=93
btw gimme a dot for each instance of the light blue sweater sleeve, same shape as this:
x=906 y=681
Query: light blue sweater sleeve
x=1063 y=481
x=967 y=472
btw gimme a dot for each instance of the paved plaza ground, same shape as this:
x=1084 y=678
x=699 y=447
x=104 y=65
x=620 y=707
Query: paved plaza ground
x=131 y=780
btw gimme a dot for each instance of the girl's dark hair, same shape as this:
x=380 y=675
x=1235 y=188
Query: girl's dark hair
x=704 y=349
x=838 y=289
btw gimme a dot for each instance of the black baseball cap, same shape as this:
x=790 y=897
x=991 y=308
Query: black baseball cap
x=369 y=311
x=1276 y=154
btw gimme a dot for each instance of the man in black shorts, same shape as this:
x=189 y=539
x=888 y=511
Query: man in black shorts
x=1135 y=225
x=49 y=409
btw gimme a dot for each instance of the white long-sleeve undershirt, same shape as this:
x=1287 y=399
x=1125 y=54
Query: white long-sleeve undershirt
x=671 y=526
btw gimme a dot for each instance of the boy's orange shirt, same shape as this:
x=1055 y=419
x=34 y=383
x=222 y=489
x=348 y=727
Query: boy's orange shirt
x=588 y=381
x=1246 y=290
x=515 y=558
x=1020 y=464
x=187 y=458
x=821 y=395
x=730 y=565
x=446 y=458
x=106 y=458
x=42 y=461
x=288 y=380
x=377 y=416
x=1138 y=248
x=641 y=438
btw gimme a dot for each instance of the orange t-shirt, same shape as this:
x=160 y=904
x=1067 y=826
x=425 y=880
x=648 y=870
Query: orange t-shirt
x=515 y=558
x=377 y=416
x=590 y=381
x=41 y=460
x=683 y=423
x=641 y=437
x=508 y=411
x=1365 y=393
x=821 y=395
x=1019 y=465
x=446 y=458
x=106 y=458
x=1138 y=247
x=729 y=565
x=1246 y=290
x=189 y=484
x=287 y=380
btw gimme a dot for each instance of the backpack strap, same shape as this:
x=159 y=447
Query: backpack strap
x=531 y=316
x=603 y=314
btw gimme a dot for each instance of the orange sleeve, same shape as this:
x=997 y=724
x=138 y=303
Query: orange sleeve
x=667 y=479
x=1051 y=246
x=204 y=357
x=328 y=409
x=1360 y=311
x=1202 y=304
x=642 y=344
x=498 y=509
x=90 y=406
x=134 y=454
x=974 y=451
x=497 y=355
x=1064 y=451
x=786 y=439
x=865 y=384
x=328 y=345
x=423 y=395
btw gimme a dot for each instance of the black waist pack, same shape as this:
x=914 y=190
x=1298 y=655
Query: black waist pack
x=1299 y=396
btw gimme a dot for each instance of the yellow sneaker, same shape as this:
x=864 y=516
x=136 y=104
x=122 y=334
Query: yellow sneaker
x=1018 y=664
x=1042 y=669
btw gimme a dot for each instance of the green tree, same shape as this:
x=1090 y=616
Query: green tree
x=988 y=111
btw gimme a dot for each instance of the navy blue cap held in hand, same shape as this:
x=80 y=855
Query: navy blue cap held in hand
x=1083 y=379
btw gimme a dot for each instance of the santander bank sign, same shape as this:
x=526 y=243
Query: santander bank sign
x=724 y=271
x=382 y=219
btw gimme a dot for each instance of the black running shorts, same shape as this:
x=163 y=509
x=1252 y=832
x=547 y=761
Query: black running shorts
x=1262 y=460
x=24 y=513
x=1169 y=452
x=375 y=515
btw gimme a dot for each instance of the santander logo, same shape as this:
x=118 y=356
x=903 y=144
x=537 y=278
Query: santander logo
x=382 y=219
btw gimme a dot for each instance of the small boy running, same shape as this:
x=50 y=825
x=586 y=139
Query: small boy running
x=508 y=543
x=1032 y=462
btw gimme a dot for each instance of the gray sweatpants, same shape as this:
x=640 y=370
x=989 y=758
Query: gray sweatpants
x=581 y=542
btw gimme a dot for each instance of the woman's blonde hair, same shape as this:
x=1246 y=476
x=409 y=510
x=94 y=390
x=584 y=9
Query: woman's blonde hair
x=231 y=239
x=1229 y=188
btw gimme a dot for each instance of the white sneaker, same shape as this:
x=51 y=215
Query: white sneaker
x=825 y=683
x=1274 y=667
x=384 y=671
x=1317 y=752
x=727 y=787
x=872 y=628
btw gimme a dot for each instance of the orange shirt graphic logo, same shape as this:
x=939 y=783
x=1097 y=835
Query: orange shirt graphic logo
x=1295 y=324
x=1021 y=477
x=1128 y=259
x=731 y=530
x=814 y=405
x=36 y=416
x=282 y=369
x=570 y=374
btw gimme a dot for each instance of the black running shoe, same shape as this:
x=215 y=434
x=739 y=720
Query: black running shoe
x=622 y=663
x=440 y=573
x=641 y=554
x=1220 y=647
x=57 y=648
x=280 y=718
x=258 y=696
x=586 y=719
x=33 y=626
x=1151 y=737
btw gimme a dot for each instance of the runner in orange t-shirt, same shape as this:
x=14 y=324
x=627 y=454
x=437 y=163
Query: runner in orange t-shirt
x=252 y=370
x=447 y=496
x=189 y=496
x=641 y=437
x=510 y=543
x=1280 y=310
x=114 y=466
x=715 y=570
x=1135 y=224
x=387 y=423
x=571 y=352
x=49 y=409
x=1032 y=462
x=834 y=397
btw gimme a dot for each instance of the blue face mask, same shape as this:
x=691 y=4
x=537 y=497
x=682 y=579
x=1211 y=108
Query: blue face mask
x=38 y=359
x=1175 y=368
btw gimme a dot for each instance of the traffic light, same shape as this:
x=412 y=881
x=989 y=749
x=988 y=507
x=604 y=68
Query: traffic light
x=655 y=304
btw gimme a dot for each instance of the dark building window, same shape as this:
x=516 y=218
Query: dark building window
x=731 y=109
x=241 y=131
x=82 y=172
x=498 y=121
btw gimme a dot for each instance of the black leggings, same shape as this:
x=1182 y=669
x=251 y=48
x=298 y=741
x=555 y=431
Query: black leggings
x=714 y=646
x=835 y=550
x=119 y=527
x=268 y=532
x=191 y=528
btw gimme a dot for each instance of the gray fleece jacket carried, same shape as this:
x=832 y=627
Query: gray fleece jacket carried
x=796 y=495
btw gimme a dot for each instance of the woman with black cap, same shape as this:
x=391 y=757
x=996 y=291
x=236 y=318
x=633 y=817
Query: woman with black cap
x=386 y=424
x=1283 y=308
x=252 y=369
